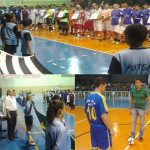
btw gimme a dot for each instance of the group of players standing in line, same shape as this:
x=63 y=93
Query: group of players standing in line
x=80 y=20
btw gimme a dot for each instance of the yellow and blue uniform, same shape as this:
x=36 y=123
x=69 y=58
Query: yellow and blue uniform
x=95 y=106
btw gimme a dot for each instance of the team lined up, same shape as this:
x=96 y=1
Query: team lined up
x=98 y=20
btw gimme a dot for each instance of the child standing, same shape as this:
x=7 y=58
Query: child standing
x=29 y=117
x=26 y=38
x=64 y=20
x=78 y=23
x=9 y=33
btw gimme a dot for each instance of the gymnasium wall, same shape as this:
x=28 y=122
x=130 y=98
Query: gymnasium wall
x=33 y=2
x=39 y=84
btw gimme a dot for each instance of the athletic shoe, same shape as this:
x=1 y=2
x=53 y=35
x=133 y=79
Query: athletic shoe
x=75 y=36
x=80 y=37
x=31 y=143
x=65 y=34
x=61 y=34
x=141 y=139
x=94 y=39
x=113 y=42
x=88 y=36
x=149 y=40
x=101 y=40
x=36 y=28
x=117 y=43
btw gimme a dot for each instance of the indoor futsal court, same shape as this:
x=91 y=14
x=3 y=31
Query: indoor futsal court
x=120 y=120
x=74 y=54
x=37 y=134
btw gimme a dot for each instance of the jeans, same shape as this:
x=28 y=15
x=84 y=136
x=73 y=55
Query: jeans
x=135 y=113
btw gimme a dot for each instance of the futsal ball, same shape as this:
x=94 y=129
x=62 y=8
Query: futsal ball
x=131 y=141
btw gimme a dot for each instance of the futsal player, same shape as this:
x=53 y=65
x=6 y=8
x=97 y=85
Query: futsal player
x=136 y=59
x=117 y=18
x=137 y=15
x=139 y=95
x=128 y=15
x=97 y=115
x=98 y=24
x=146 y=15
x=64 y=21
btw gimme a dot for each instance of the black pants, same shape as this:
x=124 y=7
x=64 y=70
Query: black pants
x=11 y=123
x=71 y=103
x=11 y=49
x=25 y=54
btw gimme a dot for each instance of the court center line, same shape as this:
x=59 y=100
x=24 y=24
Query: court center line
x=86 y=118
x=36 y=147
x=137 y=136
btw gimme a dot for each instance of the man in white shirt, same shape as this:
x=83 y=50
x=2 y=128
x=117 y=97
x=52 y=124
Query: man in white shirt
x=11 y=109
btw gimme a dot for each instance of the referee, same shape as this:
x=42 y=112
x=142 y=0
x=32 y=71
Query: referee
x=11 y=109
x=138 y=100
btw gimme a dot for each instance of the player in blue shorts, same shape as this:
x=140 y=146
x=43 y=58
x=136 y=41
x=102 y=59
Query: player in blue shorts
x=96 y=111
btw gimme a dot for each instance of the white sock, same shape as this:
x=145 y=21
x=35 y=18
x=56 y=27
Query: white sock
x=29 y=136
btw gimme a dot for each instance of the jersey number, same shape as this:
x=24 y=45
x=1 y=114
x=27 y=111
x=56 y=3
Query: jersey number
x=92 y=114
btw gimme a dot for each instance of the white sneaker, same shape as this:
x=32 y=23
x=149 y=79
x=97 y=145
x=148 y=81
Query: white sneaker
x=149 y=40
x=88 y=36
x=32 y=143
x=36 y=28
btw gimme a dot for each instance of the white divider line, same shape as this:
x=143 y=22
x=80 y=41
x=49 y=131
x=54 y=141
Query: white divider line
x=136 y=136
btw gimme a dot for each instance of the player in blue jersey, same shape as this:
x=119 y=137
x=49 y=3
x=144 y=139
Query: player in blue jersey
x=128 y=14
x=137 y=15
x=116 y=19
x=96 y=111
x=146 y=16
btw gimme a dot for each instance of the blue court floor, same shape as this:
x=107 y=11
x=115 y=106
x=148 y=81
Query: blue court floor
x=37 y=132
x=61 y=58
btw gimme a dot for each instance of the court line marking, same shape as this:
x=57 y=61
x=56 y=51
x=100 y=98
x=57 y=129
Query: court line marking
x=36 y=132
x=86 y=118
x=36 y=147
x=106 y=52
x=137 y=136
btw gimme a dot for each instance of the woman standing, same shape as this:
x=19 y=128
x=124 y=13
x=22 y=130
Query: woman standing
x=57 y=136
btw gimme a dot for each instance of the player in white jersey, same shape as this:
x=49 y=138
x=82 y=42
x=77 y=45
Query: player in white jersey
x=33 y=16
x=107 y=23
x=42 y=14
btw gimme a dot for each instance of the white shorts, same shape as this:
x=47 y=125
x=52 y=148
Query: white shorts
x=108 y=27
x=113 y=28
x=98 y=26
x=34 y=20
x=148 y=27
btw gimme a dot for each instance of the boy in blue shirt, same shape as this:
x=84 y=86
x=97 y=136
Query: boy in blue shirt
x=96 y=111
x=29 y=109
x=9 y=33
x=26 y=38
